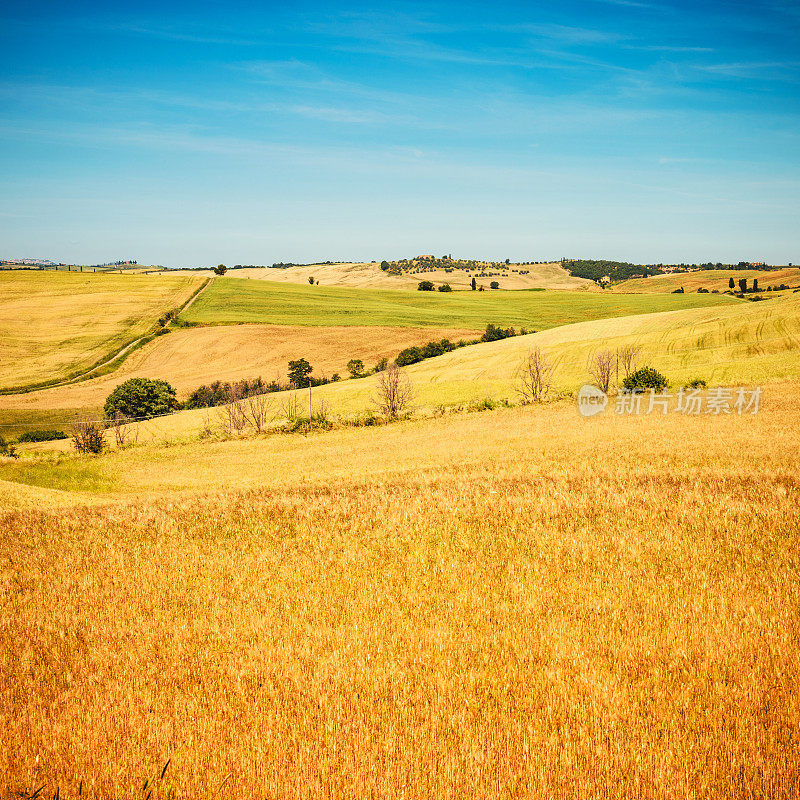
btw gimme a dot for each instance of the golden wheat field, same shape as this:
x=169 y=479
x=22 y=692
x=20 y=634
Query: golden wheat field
x=518 y=603
x=55 y=325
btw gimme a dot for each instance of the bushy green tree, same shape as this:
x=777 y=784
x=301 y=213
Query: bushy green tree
x=140 y=398
x=300 y=372
x=220 y=269
x=425 y=286
x=445 y=287
x=645 y=378
x=355 y=366
x=7 y=448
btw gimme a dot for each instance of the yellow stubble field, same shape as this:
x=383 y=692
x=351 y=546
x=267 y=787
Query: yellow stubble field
x=519 y=603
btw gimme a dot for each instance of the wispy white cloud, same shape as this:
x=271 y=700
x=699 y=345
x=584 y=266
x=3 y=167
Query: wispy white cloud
x=633 y=4
x=762 y=70
x=180 y=34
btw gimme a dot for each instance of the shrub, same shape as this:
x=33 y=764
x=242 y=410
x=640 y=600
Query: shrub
x=433 y=349
x=355 y=366
x=140 y=398
x=89 y=436
x=493 y=333
x=696 y=383
x=409 y=356
x=445 y=287
x=7 y=448
x=487 y=404
x=42 y=436
x=494 y=285
x=645 y=378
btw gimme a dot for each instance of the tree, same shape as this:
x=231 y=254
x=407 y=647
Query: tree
x=600 y=366
x=7 y=448
x=445 y=287
x=355 y=367
x=394 y=391
x=89 y=436
x=140 y=398
x=493 y=333
x=755 y=284
x=534 y=377
x=385 y=265
x=627 y=356
x=220 y=269
x=494 y=285
x=731 y=283
x=299 y=372
x=425 y=286
x=410 y=355
x=743 y=284
x=311 y=280
x=474 y=284
x=645 y=378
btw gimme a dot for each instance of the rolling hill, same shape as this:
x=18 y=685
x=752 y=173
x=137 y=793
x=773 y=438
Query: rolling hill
x=736 y=344
x=370 y=276
x=708 y=279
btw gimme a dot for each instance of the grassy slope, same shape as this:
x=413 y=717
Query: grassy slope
x=708 y=279
x=57 y=324
x=232 y=300
x=520 y=603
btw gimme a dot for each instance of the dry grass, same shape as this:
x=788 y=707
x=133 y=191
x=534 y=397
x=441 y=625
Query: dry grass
x=370 y=276
x=190 y=357
x=57 y=324
x=473 y=606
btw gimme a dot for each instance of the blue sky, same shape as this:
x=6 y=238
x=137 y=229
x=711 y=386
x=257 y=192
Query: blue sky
x=206 y=132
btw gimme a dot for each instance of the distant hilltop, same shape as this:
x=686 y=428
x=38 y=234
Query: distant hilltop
x=44 y=263
x=30 y=262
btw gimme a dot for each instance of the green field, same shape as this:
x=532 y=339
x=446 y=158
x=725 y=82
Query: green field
x=234 y=300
